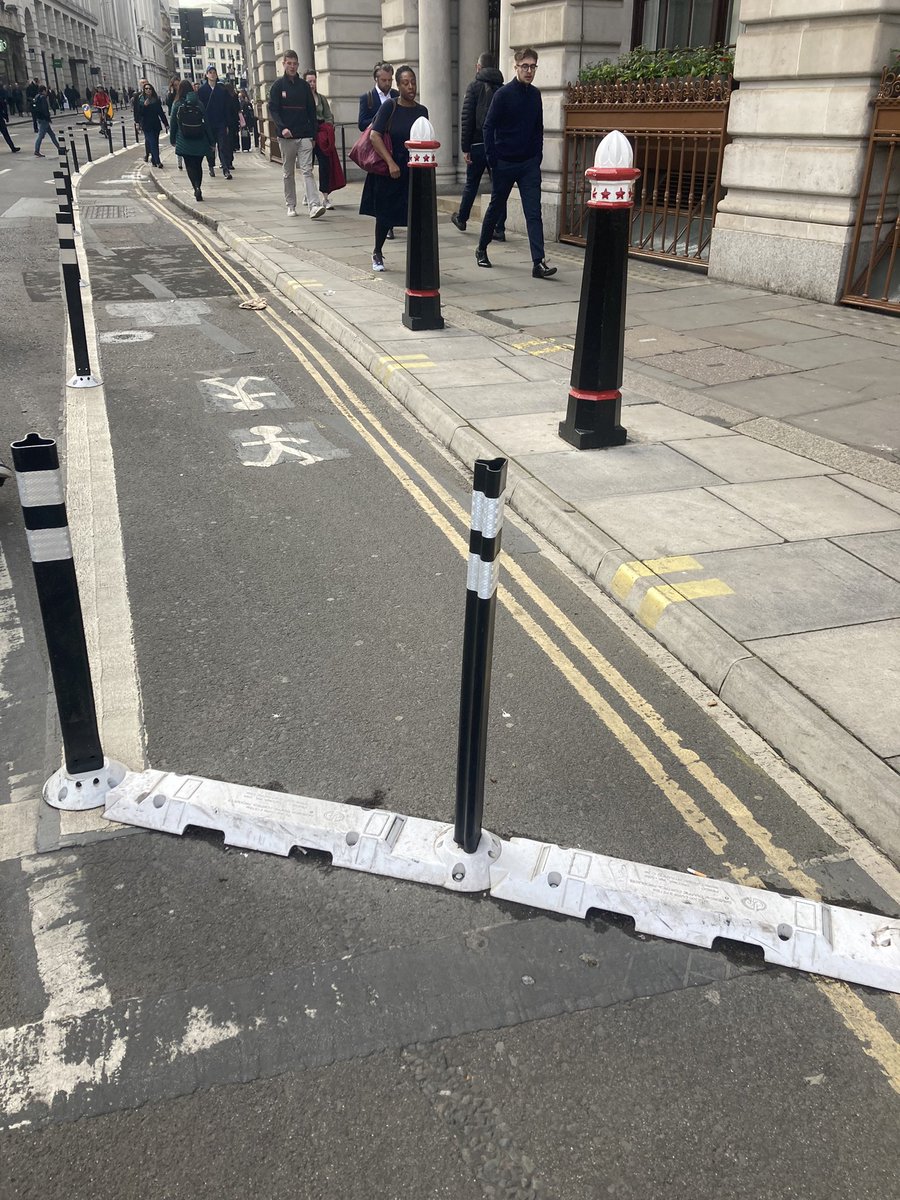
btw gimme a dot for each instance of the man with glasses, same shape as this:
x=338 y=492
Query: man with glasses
x=514 y=147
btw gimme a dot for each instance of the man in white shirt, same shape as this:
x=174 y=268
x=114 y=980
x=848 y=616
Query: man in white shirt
x=370 y=102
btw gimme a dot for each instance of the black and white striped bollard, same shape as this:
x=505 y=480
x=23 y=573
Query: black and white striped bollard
x=73 y=151
x=87 y=774
x=68 y=258
x=423 y=267
x=66 y=174
x=478 y=643
x=593 y=414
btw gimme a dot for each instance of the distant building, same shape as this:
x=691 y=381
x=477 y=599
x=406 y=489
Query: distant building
x=224 y=47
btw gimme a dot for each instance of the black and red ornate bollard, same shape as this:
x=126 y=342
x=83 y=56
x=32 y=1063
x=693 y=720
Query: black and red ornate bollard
x=423 y=267
x=595 y=402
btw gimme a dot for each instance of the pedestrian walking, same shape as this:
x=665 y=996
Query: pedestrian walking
x=250 y=127
x=190 y=134
x=152 y=119
x=18 y=100
x=32 y=91
x=514 y=147
x=370 y=103
x=232 y=119
x=293 y=111
x=40 y=107
x=324 y=151
x=171 y=97
x=4 y=121
x=385 y=197
x=215 y=101
x=475 y=106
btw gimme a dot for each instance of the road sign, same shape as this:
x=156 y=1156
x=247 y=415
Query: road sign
x=57 y=62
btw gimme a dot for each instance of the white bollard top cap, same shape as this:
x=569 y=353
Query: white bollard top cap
x=422 y=131
x=614 y=151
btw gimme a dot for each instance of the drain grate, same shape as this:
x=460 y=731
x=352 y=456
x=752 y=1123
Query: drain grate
x=109 y=212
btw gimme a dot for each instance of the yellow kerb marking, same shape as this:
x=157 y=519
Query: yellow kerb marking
x=656 y=602
x=627 y=576
x=668 y=566
x=699 y=589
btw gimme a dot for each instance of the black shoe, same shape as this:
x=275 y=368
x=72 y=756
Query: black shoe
x=499 y=235
x=460 y=225
x=212 y=172
x=482 y=259
x=228 y=175
x=542 y=271
x=198 y=195
x=15 y=149
x=390 y=235
x=146 y=158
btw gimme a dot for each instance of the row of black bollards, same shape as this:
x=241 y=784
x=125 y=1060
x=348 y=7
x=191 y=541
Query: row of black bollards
x=71 y=275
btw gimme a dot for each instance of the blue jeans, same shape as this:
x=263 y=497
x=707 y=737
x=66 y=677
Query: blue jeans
x=44 y=130
x=474 y=171
x=527 y=177
x=151 y=144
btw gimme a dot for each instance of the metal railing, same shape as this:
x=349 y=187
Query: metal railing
x=678 y=131
x=872 y=279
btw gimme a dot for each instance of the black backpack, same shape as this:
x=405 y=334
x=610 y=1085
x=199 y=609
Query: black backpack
x=190 y=120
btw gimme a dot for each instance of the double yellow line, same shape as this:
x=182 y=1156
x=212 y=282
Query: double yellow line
x=875 y=1038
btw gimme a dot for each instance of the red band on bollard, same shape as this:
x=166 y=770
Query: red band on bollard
x=615 y=394
x=413 y=292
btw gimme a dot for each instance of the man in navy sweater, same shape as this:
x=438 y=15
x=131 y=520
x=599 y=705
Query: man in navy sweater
x=514 y=147
x=214 y=99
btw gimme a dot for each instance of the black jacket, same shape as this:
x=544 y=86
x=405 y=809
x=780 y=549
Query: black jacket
x=151 y=116
x=369 y=105
x=479 y=95
x=291 y=106
x=41 y=108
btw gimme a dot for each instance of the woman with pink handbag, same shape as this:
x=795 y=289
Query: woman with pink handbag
x=385 y=195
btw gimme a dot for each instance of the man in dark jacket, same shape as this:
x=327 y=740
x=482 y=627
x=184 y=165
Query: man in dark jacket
x=371 y=102
x=40 y=108
x=214 y=99
x=476 y=104
x=514 y=147
x=4 y=118
x=292 y=109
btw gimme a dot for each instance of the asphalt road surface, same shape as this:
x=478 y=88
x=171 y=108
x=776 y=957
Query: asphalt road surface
x=285 y=547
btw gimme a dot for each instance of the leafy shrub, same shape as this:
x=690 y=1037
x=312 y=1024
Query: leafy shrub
x=699 y=62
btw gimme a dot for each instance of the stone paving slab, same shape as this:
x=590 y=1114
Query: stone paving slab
x=717 y=364
x=533 y=433
x=740 y=459
x=873 y=424
x=782 y=396
x=578 y=477
x=853 y=673
x=652 y=422
x=802 y=509
x=796 y=587
x=645 y=341
x=754 y=334
x=824 y=352
x=502 y=399
x=879 y=550
x=689 y=521
x=881 y=495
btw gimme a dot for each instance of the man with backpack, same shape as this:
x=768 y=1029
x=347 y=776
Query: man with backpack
x=476 y=104
x=40 y=109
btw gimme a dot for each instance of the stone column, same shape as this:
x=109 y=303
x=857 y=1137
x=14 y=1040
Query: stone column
x=435 y=81
x=300 y=26
x=347 y=38
x=799 y=122
x=505 y=62
x=473 y=41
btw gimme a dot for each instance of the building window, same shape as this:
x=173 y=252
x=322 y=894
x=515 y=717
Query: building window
x=668 y=24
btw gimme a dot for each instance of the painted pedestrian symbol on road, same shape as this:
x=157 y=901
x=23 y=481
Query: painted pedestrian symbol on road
x=299 y=443
x=241 y=393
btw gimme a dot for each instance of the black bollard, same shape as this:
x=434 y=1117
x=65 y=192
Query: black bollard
x=594 y=410
x=47 y=528
x=87 y=147
x=124 y=137
x=73 y=151
x=68 y=258
x=67 y=178
x=423 y=268
x=478 y=644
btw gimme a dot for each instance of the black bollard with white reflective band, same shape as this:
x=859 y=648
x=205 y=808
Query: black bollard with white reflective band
x=68 y=257
x=73 y=151
x=66 y=174
x=87 y=147
x=593 y=414
x=478 y=645
x=423 y=266
x=87 y=775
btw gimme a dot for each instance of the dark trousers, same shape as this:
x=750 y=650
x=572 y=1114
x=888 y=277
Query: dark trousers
x=324 y=164
x=224 y=147
x=527 y=177
x=474 y=171
x=151 y=144
x=193 y=164
x=5 y=132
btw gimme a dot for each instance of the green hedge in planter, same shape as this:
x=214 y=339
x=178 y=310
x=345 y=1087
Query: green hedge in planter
x=700 y=62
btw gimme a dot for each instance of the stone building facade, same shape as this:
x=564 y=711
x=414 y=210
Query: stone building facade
x=807 y=71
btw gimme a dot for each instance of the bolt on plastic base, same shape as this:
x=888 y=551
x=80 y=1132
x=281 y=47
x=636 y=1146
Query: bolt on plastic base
x=85 y=789
x=84 y=381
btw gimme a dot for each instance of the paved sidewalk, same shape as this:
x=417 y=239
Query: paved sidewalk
x=752 y=522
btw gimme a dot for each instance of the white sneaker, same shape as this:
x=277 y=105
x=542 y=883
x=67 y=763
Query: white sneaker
x=292 y=212
x=317 y=210
x=327 y=203
x=377 y=262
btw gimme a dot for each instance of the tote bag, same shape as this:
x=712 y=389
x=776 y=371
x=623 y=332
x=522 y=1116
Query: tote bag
x=364 y=154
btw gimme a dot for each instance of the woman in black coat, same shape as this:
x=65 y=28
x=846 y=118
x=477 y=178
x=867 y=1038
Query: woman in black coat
x=152 y=117
x=251 y=125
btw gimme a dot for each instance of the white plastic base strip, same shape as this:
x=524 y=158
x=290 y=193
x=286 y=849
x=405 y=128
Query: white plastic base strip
x=382 y=843
x=793 y=932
